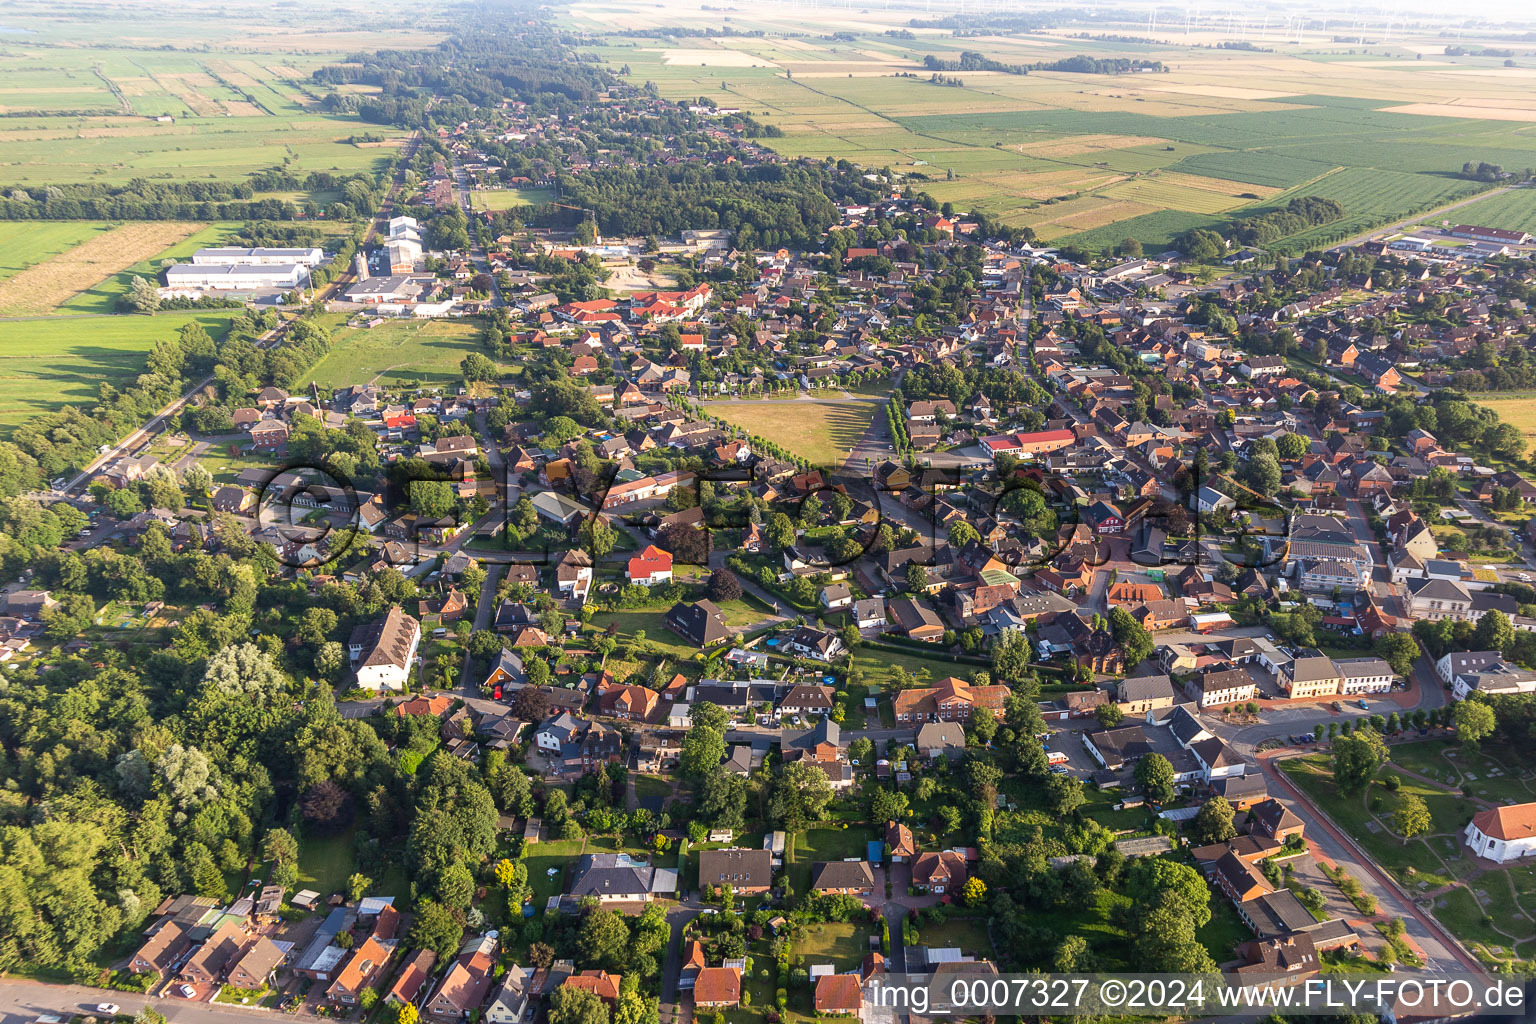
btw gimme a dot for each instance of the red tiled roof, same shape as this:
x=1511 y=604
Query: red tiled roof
x=717 y=985
x=839 y=993
x=1507 y=823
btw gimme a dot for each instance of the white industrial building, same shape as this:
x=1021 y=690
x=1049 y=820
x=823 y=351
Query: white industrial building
x=394 y=288
x=191 y=278
x=309 y=256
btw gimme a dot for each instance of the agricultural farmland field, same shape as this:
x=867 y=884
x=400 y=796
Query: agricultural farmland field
x=44 y=286
x=1518 y=408
x=102 y=296
x=64 y=361
x=1514 y=210
x=1222 y=135
x=107 y=115
x=26 y=243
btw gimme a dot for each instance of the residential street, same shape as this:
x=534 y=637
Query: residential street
x=1442 y=951
x=21 y=1001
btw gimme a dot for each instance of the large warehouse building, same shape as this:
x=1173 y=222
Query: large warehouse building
x=190 y=278
x=311 y=256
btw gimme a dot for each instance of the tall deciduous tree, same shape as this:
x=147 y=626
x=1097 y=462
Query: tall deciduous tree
x=1155 y=775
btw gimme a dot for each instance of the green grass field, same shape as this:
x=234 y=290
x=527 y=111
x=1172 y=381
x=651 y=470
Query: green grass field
x=1514 y=210
x=508 y=198
x=844 y=945
x=1519 y=410
x=326 y=862
x=823 y=432
x=540 y=858
x=24 y=243
x=46 y=364
x=398 y=351
x=968 y=933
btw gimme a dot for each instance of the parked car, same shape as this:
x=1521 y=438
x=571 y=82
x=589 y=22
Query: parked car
x=1361 y=703
x=110 y=1009
x=187 y=991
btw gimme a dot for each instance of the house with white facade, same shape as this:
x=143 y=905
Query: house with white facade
x=1365 y=675
x=382 y=652
x=1503 y=834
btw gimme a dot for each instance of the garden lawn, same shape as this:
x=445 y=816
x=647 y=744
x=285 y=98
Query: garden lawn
x=969 y=934
x=822 y=844
x=540 y=857
x=1224 y=931
x=875 y=663
x=843 y=944
x=652 y=786
x=326 y=862
x=650 y=621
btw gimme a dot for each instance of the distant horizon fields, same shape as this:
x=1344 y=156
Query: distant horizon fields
x=1085 y=159
x=1092 y=159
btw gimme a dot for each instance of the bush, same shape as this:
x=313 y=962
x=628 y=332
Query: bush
x=1391 y=782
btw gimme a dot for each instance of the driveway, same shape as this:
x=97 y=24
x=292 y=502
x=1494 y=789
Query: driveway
x=671 y=1010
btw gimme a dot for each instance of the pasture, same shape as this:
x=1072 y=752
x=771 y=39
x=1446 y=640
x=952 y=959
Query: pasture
x=65 y=360
x=821 y=431
x=109 y=114
x=45 y=285
x=396 y=352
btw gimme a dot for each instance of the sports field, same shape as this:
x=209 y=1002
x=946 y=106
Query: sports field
x=508 y=198
x=398 y=351
x=822 y=432
x=64 y=361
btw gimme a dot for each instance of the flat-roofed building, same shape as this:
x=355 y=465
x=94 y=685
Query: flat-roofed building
x=189 y=277
x=226 y=255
